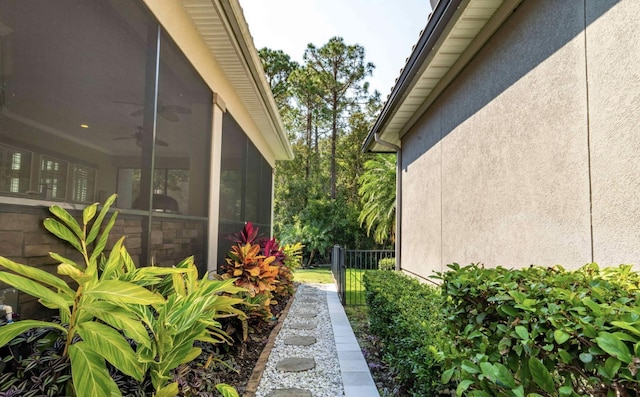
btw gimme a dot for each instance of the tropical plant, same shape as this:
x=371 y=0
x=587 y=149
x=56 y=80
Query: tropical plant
x=190 y=314
x=112 y=305
x=378 y=197
x=95 y=314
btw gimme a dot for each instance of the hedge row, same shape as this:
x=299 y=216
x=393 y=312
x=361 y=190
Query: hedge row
x=528 y=332
x=402 y=314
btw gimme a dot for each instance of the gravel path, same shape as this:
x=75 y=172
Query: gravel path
x=325 y=379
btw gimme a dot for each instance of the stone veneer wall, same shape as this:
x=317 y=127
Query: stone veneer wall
x=24 y=239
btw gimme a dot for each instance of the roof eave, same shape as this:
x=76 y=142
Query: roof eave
x=433 y=38
x=239 y=25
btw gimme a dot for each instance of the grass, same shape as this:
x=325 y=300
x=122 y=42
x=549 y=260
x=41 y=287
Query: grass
x=321 y=275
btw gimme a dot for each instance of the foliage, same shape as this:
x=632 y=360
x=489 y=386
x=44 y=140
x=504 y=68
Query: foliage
x=106 y=321
x=387 y=264
x=405 y=315
x=378 y=197
x=262 y=268
x=544 y=331
x=328 y=113
x=189 y=315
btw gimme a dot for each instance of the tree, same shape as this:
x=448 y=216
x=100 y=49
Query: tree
x=278 y=66
x=378 y=197
x=341 y=70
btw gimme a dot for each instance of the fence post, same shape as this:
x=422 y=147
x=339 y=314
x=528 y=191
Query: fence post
x=337 y=268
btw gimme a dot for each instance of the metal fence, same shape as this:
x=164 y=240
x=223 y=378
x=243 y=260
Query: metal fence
x=348 y=267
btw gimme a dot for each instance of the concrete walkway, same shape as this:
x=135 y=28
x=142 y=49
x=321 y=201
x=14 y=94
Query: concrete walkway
x=330 y=364
x=356 y=378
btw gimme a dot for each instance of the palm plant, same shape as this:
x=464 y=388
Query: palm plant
x=378 y=197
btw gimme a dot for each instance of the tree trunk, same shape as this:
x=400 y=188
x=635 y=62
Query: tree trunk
x=334 y=139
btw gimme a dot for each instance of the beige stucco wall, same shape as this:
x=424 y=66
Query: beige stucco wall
x=500 y=169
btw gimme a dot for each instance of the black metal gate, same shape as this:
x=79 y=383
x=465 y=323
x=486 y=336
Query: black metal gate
x=348 y=267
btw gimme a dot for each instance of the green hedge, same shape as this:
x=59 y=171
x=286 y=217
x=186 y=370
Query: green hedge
x=405 y=315
x=500 y=332
x=387 y=264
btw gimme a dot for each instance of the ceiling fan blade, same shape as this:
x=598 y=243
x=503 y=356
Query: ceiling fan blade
x=160 y=142
x=169 y=115
x=137 y=113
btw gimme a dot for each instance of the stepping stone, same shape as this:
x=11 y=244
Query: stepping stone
x=306 y=315
x=296 y=364
x=300 y=341
x=289 y=393
x=309 y=301
x=304 y=326
x=306 y=308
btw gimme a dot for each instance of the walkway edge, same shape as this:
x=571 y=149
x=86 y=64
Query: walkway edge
x=356 y=377
x=256 y=375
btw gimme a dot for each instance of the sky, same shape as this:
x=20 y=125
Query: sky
x=387 y=29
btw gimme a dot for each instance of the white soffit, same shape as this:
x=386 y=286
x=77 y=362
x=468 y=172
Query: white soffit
x=471 y=26
x=239 y=60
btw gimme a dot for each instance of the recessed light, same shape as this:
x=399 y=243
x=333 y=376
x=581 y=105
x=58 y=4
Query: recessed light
x=84 y=126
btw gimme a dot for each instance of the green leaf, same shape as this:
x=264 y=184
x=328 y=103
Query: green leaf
x=560 y=336
x=169 y=390
x=585 y=357
x=108 y=343
x=504 y=377
x=463 y=386
x=95 y=228
x=102 y=240
x=614 y=346
x=120 y=319
x=111 y=267
x=470 y=367
x=479 y=393
x=596 y=308
x=88 y=213
x=65 y=269
x=226 y=390
x=446 y=376
x=541 y=375
x=89 y=373
x=522 y=332
x=67 y=219
x=62 y=232
x=633 y=328
x=612 y=366
x=565 y=356
x=566 y=391
x=47 y=297
x=62 y=259
x=37 y=275
x=10 y=331
x=122 y=292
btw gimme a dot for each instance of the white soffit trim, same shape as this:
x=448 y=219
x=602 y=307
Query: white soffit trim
x=225 y=32
x=473 y=23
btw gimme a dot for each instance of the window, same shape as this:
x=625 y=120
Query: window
x=84 y=181
x=15 y=169
x=53 y=178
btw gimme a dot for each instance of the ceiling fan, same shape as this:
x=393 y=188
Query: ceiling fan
x=167 y=112
x=138 y=136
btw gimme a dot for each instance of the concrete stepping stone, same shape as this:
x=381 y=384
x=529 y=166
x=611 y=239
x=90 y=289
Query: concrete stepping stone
x=289 y=393
x=296 y=364
x=304 y=326
x=306 y=308
x=300 y=341
x=305 y=315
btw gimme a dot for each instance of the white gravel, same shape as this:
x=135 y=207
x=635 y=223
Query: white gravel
x=325 y=379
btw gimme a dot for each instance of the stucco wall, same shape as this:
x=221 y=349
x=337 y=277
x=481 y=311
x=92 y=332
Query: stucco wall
x=501 y=167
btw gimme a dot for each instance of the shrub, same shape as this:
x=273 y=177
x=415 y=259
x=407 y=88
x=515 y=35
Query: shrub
x=406 y=316
x=263 y=268
x=387 y=264
x=543 y=331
